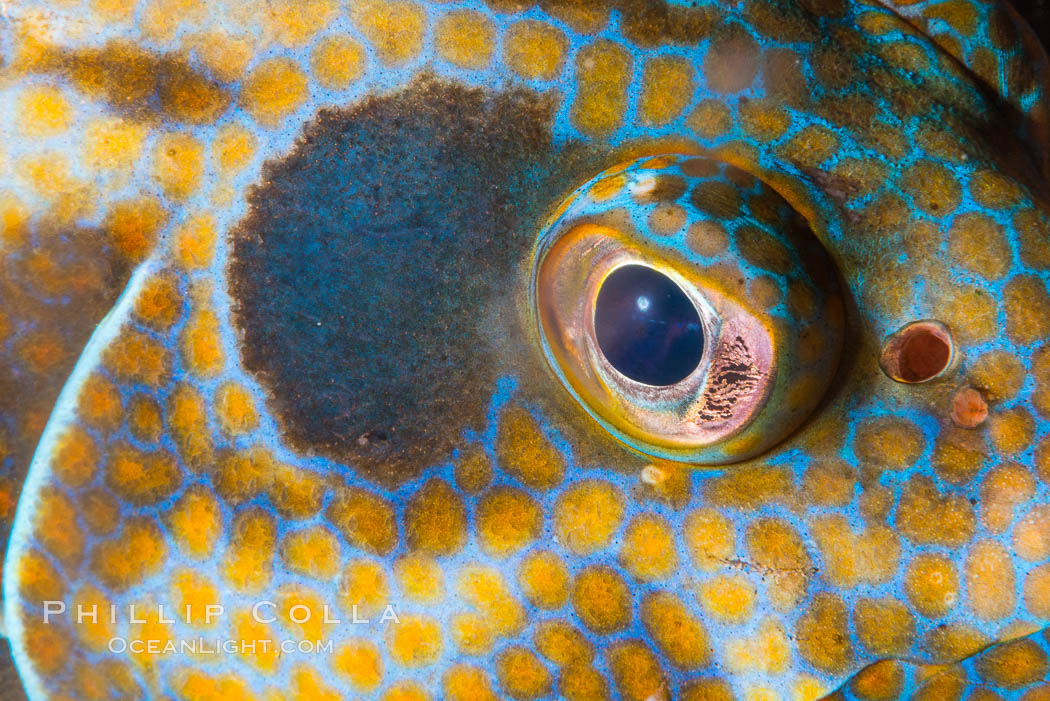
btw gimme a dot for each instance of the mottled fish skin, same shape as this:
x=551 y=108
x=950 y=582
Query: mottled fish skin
x=305 y=231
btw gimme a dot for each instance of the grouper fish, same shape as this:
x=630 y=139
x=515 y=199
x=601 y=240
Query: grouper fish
x=575 y=349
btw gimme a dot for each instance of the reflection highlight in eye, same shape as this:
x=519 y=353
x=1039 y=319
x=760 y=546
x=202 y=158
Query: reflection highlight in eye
x=687 y=308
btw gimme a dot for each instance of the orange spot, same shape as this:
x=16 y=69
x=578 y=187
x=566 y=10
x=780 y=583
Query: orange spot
x=159 y=303
x=275 y=89
x=133 y=226
x=235 y=409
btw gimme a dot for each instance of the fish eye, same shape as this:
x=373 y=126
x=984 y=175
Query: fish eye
x=688 y=308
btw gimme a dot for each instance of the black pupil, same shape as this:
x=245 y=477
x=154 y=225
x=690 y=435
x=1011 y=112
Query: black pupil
x=646 y=326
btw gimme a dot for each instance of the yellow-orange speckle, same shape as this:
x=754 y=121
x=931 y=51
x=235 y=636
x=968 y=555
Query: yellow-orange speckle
x=99 y=403
x=979 y=244
x=999 y=374
x=178 y=164
x=420 y=578
x=544 y=579
x=360 y=661
x=990 y=581
x=521 y=675
x=123 y=561
x=1004 y=489
x=233 y=148
x=113 y=144
x=884 y=626
x=777 y=548
x=313 y=552
x=676 y=632
x=365 y=519
x=76 y=457
x=141 y=477
x=767 y=650
x=195 y=242
x=1027 y=307
x=187 y=420
x=273 y=90
x=523 y=451
x=43 y=111
x=195 y=522
x=925 y=515
x=133 y=226
x=144 y=419
x=933 y=188
x=485 y=589
x=932 y=585
x=648 y=550
x=191 y=595
x=473 y=633
x=338 y=61
x=296 y=21
x=235 y=409
x=57 y=529
x=636 y=670
x=304 y=612
x=667 y=88
x=159 y=303
x=507 y=520
x=38 y=580
x=100 y=510
x=1011 y=430
x=294 y=492
x=889 y=442
x=710 y=538
x=603 y=73
x=728 y=597
x=201 y=347
x=563 y=644
x=473 y=470
x=535 y=50
x=587 y=516
x=364 y=585
x=822 y=636
x=249 y=557
x=1014 y=664
x=415 y=641
x=710 y=119
x=394 y=27
x=602 y=599
x=309 y=686
x=1031 y=539
x=467 y=683
x=465 y=38
x=435 y=519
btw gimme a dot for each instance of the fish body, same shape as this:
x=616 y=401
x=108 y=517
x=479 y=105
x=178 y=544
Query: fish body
x=341 y=429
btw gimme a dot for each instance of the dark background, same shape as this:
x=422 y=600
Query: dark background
x=1037 y=12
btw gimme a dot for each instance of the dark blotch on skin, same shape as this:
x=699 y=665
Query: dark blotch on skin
x=378 y=275
x=643 y=22
x=137 y=83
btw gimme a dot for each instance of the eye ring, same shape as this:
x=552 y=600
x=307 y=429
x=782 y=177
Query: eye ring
x=720 y=411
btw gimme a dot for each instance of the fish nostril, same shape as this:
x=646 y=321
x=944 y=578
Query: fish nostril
x=919 y=352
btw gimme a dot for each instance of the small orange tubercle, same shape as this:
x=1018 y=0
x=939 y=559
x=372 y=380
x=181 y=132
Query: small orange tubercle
x=968 y=408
